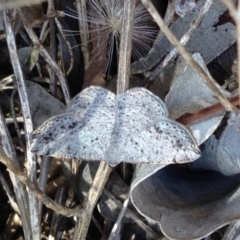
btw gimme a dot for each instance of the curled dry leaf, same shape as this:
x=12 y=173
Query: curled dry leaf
x=187 y=204
x=131 y=127
x=222 y=155
x=188 y=94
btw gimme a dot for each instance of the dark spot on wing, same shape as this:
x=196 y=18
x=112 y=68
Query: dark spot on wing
x=72 y=125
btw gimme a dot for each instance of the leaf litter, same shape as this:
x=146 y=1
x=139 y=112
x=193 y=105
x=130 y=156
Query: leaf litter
x=134 y=127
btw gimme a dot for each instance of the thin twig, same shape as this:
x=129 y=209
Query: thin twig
x=22 y=92
x=232 y=231
x=207 y=112
x=235 y=14
x=53 y=53
x=104 y=170
x=133 y=216
x=11 y=120
x=123 y=75
x=91 y=199
x=84 y=31
x=173 y=40
x=184 y=40
x=77 y=211
x=68 y=44
x=125 y=55
x=53 y=47
x=125 y=47
x=9 y=193
x=152 y=58
x=17 y=3
x=119 y=220
x=46 y=56
x=56 y=218
x=231 y=8
x=43 y=177
x=45 y=24
x=19 y=188
x=15 y=118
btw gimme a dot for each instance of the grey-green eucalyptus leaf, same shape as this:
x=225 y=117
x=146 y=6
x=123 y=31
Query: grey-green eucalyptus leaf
x=188 y=94
x=42 y=104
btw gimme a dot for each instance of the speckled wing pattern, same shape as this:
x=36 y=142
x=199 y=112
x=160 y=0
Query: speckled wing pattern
x=131 y=127
x=79 y=132
x=137 y=109
x=166 y=141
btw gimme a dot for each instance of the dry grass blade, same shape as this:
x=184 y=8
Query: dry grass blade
x=125 y=48
x=117 y=224
x=235 y=13
x=184 y=40
x=84 y=31
x=18 y=3
x=19 y=188
x=232 y=231
x=77 y=211
x=46 y=56
x=91 y=199
x=173 y=40
x=30 y=157
x=133 y=216
x=104 y=170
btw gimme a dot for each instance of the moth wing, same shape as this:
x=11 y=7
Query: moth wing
x=84 y=132
x=165 y=142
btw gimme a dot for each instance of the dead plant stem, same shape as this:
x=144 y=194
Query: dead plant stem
x=28 y=126
x=125 y=47
x=77 y=211
x=91 y=199
x=84 y=31
x=131 y=214
x=184 y=40
x=46 y=56
x=104 y=170
x=19 y=188
x=235 y=14
x=17 y=3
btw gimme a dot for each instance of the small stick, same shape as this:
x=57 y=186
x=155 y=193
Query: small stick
x=43 y=177
x=133 y=216
x=173 y=40
x=232 y=232
x=68 y=44
x=184 y=40
x=22 y=92
x=45 y=24
x=17 y=3
x=19 y=188
x=117 y=224
x=123 y=79
x=91 y=199
x=151 y=60
x=9 y=194
x=53 y=52
x=84 y=31
x=46 y=56
x=235 y=14
x=125 y=47
x=206 y=112
x=15 y=118
x=77 y=211
x=104 y=170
